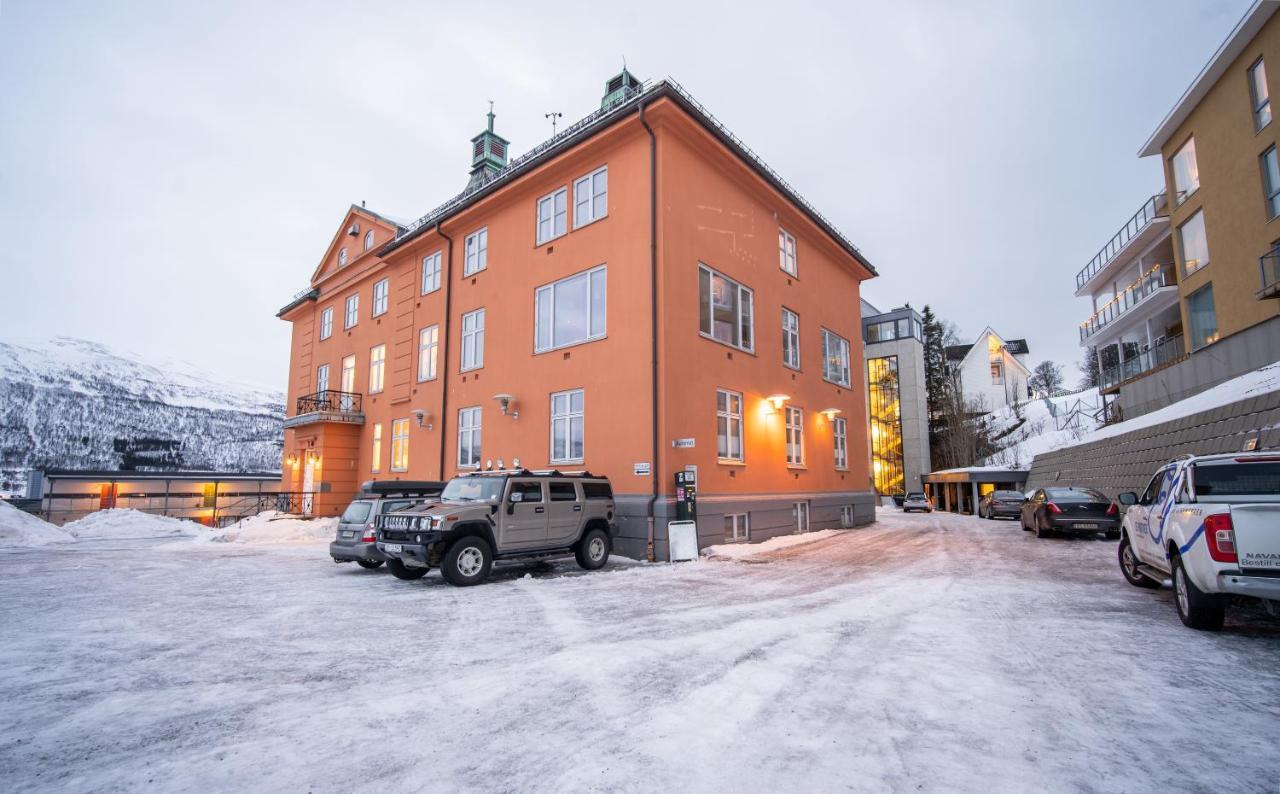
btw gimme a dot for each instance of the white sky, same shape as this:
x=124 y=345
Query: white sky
x=170 y=173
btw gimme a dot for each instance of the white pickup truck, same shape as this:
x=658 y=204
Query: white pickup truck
x=1212 y=524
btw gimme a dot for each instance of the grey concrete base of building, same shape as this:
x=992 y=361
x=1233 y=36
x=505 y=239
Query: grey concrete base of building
x=1243 y=352
x=1126 y=462
x=770 y=515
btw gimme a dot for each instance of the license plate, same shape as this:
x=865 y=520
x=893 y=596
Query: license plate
x=348 y=534
x=1086 y=526
x=394 y=548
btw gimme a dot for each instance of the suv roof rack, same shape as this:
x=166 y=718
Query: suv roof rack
x=531 y=473
x=384 y=488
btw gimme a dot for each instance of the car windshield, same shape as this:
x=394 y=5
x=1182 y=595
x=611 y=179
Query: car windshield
x=356 y=513
x=1075 y=495
x=473 y=489
x=1238 y=479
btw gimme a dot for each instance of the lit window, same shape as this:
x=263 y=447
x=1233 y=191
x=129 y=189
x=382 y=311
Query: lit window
x=326 y=323
x=1195 y=245
x=431 y=273
x=1186 y=173
x=377 y=366
x=322 y=378
x=400 y=445
x=786 y=252
x=477 y=252
x=591 y=197
x=736 y=527
x=567 y=418
x=997 y=372
x=428 y=346
x=348 y=375
x=552 y=215
x=472 y=340
x=380 y=290
x=353 y=311
x=1202 y=317
x=469 y=438
x=729 y=425
x=885 y=414
x=1271 y=181
x=1260 y=94
x=840 y=437
x=570 y=311
x=368 y=240
x=377 y=448
x=725 y=309
x=835 y=358
x=795 y=436
x=342 y=258
x=790 y=339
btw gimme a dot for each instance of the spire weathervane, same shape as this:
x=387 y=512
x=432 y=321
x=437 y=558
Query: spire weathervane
x=553 y=115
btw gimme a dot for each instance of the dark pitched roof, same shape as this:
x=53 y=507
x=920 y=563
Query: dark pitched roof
x=1017 y=346
x=958 y=352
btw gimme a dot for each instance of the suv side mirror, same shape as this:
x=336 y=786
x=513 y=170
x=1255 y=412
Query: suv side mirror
x=1127 y=498
x=512 y=500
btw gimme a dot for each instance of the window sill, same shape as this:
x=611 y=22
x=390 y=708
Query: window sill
x=568 y=345
x=549 y=240
x=788 y=273
x=740 y=464
x=577 y=226
x=571 y=462
x=723 y=343
x=837 y=383
x=797 y=467
x=470 y=369
x=474 y=273
x=428 y=380
x=428 y=292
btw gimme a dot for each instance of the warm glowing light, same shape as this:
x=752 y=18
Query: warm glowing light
x=830 y=413
x=778 y=400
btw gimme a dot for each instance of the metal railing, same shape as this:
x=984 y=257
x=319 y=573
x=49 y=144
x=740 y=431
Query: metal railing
x=1154 y=207
x=1161 y=354
x=1269 y=268
x=330 y=401
x=1163 y=275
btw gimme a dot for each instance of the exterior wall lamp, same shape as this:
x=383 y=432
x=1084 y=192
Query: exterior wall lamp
x=777 y=401
x=422 y=418
x=505 y=402
x=830 y=413
x=292 y=460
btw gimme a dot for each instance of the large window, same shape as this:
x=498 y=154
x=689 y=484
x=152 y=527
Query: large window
x=353 y=311
x=591 y=197
x=1202 y=317
x=729 y=425
x=840 y=439
x=552 y=215
x=1195 y=245
x=476 y=251
x=886 y=425
x=889 y=330
x=322 y=378
x=790 y=338
x=326 y=323
x=377 y=367
x=1259 y=94
x=400 y=445
x=570 y=311
x=835 y=358
x=472 y=340
x=567 y=418
x=380 y=290
x=428 y=348
x=1186 y=174
x=431 y=273
x=469 y=438
x=1271 y=181
x=725 y=309
x=737 y=526
x=786 y=252
x=376 y=465
x=795 y=436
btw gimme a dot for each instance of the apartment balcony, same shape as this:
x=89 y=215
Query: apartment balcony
x=1160 y=355
x=1159 y=278
x=1148 y=224
x=328 y=406
x=1269 y=265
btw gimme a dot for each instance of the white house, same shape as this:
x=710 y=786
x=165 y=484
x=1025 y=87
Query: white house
x=992 y=371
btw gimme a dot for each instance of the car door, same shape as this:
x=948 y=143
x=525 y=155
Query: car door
x=1031 y=509
x=1148 y=528
x=564 y=512
x=524 y=517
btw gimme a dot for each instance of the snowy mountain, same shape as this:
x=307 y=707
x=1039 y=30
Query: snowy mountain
x=70 y=403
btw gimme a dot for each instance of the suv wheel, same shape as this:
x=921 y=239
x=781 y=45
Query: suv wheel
x=401 y=571
x=369 y=564
x=1129 y=566
x=593 y=550
x=1197 y=609
x=467 y=562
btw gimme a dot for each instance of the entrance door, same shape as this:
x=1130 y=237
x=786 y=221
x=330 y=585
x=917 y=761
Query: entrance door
x=525 y=524
x=348 y=382
x=308 y=484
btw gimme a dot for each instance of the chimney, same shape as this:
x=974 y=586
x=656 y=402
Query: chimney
x=488 y=154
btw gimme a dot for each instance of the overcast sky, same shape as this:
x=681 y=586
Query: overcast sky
x=170 y=173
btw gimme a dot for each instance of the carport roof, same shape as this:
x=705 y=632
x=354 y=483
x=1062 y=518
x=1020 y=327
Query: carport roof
x=978 y=474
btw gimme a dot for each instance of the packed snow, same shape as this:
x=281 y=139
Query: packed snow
x=1039 y=426
x=929 y=652
x=272 y=527
x=123 y=523
x=742 y=551
x=19 y=528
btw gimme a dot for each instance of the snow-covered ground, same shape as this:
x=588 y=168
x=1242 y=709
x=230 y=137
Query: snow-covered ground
x=1032 y=428
x=930 y=652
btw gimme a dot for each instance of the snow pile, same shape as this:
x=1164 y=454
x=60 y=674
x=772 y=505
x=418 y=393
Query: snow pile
x=1032 y=428
x=118 y=523
x=273 y=527
x=740 y=551
x=18 y=528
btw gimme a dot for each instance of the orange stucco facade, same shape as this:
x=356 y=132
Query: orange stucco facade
x=713 y=209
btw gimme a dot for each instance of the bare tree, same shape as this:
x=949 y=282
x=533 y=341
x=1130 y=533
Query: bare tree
x=1047 y=378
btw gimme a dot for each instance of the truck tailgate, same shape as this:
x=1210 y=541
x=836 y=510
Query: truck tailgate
x=1257 y=531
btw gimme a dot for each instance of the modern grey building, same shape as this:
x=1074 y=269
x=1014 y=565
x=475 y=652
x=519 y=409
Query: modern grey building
x=897 y=404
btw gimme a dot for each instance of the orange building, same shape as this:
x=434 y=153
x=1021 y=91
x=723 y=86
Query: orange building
x=637 y=296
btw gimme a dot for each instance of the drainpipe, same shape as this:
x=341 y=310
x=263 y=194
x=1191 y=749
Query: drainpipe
x=653 y=327
x=444 y=346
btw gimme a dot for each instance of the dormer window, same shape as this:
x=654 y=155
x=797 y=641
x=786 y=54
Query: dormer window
x=368 y=240
x=342 y=258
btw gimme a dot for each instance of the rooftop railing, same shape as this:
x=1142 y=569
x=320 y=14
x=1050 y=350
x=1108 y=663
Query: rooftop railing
x=1154 y=207
x=1269 y=267
x=1161 y=354
x=1159 y=276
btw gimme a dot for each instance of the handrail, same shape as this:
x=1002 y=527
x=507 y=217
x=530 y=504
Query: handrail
x=1269 y=269
x=1159 y=276
x=1152 y=208
x=330 y=401
x=1161 y=354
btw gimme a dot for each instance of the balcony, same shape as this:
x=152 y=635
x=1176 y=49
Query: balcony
x=1168 y=351
x=1270 y=267
x=328 y=406
x=1149 y=283
x=1151 y=218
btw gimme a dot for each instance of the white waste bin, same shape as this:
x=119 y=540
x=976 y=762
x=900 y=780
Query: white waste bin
x=682 y=540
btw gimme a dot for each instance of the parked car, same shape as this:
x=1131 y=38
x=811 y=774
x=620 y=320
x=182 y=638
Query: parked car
x=488 y=516
x=916 y=501
x=1070 y=510
x=356 y=538
x=1211 y=523
x=1001 y=503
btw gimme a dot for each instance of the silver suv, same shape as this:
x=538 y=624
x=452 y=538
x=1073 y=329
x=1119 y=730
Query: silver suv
x=501 y=515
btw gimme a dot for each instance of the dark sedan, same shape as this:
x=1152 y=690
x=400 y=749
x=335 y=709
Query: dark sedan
x=1007 y=504
x=1070 y=511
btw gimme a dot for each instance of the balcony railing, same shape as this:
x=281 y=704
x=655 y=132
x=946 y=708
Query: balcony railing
x=1269 y=265
x=1161 y=354
x=328 y=406
x=1155 y=207
x=1157 y=277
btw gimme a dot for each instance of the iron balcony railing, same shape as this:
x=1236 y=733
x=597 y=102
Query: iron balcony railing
x=1154 y=207
x=1269 y=265
x=1157 y=277
x=330 y=402
x=1159 y=355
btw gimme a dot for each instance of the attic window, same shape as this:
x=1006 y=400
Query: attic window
x=368 y=240
x=342 y=258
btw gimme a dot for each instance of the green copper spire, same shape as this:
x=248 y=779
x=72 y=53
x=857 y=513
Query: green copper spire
x=488 y=152
x=619 y=88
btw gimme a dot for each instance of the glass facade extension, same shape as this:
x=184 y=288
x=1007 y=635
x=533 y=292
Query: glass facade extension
x=883 y=400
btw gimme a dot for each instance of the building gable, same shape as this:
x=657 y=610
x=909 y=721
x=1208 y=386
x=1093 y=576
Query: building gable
x=350 y=238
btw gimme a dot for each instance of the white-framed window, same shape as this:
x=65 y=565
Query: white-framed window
x=1259 y=94
x=376 y=465
x=342 y=258
x=326 y=323
x=737 y=526
x=568 y=417
x=377 y=367
x=353 y=311
x=472 y=340
x=1186 y=173
x=725 y=310
x=430 y=272
x=795 y=436
x=790 y=338
x=381 y=290
x=400 y=445
x=476 y=249
x=469 y=438
x=835 y=358
x=553 y=214
x=322 y=378
x=840 y=440
x=570 y=311
x=348 y=375
x=1195 y=244
x=591 y=197
x=846 y=516
x=368 y=239
x=786 y=252
x=997 y=372
x=800 y=512
x=428 y=349
x=729 y=425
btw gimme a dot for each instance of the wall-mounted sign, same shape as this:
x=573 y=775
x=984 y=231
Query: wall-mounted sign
x=683 y=443
x=642 y=469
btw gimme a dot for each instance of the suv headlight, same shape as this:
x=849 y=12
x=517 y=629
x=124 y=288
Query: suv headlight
x=421 y=523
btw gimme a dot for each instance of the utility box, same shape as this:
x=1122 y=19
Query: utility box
x=686 y=496
x=682 y=540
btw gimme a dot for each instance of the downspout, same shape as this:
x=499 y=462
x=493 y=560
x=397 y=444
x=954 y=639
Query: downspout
x=444 y=363
x=653 y=326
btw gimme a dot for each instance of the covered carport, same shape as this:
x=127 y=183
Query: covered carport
x=960 y=490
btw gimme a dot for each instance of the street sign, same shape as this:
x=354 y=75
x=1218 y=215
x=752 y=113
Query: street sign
x=683 y=443
x=642 y=469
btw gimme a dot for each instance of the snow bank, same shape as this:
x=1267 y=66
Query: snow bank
x=1031 y=430
x=18 y=528
x=739 y=551
x=119 y=523
x=273 y=527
